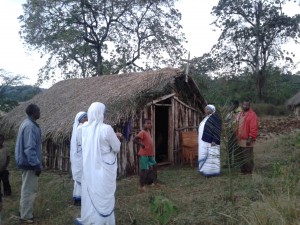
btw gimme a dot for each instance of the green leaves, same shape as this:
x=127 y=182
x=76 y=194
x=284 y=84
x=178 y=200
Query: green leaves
x=162 y=209
x=80 y=37
x=252 y=32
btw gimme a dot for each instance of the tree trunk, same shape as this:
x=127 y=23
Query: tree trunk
x=99 y=68
x=260 y=84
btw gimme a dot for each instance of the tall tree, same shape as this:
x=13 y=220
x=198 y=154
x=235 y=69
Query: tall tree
x=91 y=37
x=7 y=80
x=252 y=34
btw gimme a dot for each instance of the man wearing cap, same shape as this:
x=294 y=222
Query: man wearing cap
x=247 y=130
x=76 y=155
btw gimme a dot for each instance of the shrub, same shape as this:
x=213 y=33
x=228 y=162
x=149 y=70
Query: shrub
x=270 y=110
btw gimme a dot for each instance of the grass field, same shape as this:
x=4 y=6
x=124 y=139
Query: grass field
x=271 y=195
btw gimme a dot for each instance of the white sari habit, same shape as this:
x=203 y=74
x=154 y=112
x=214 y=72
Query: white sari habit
x=100 y=146
x=76 y=156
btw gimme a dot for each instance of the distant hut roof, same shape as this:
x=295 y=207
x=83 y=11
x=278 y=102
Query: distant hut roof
x=122 y=94
x=294 y=101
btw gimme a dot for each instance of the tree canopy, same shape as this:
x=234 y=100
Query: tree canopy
x=8 y=80
x=252 y=34
x=90 y=38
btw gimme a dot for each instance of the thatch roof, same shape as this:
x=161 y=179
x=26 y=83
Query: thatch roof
x=122 y=94
x=294 y=101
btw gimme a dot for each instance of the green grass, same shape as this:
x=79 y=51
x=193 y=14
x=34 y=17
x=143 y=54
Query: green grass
x=269 y=196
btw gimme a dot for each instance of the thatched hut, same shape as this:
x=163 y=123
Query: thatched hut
x=294 y=104
x=171 y=99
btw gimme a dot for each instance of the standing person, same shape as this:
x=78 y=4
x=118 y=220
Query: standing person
x=209 y=140
x=0 y=210
x=230 y=119
x=76 y=155
x=247 y=130
x=4 y=161
x=100 y=146
x=148 y=164
x=28 y=154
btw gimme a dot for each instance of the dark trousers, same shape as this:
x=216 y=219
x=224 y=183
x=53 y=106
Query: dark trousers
x=148 y=176
x=247 y=159
x=4 y=178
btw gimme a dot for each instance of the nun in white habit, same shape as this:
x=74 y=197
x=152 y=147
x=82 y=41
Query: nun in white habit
x=209 y=140
x=100 y=146
x=76 y=155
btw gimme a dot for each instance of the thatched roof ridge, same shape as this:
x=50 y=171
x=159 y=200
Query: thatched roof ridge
x=123 y=95
x=294 y=101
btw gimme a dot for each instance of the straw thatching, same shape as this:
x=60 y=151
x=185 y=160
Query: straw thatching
x=294 y=104
x=171 y=99
x=123 y=95
x=294 y=101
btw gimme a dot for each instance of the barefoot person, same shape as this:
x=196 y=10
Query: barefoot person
x=146 y=154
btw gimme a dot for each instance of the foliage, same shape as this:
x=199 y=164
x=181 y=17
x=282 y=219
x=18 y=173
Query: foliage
x=91 y=38
x=252 y=34
x=264 y=109
x=297 y=142
x=8 y=80
x=6 y=105
x=280 y=86
x=162 y=209
x=21 y=93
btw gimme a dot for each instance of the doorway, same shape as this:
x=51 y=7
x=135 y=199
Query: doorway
x=161 y=133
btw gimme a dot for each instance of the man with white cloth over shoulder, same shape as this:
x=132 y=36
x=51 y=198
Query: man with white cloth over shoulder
x=209 y=143
x=100 y=145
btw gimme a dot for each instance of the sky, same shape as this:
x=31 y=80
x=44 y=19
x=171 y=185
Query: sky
x=196 y=20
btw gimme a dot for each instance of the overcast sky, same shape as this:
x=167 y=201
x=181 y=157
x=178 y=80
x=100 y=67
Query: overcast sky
x=196 y=20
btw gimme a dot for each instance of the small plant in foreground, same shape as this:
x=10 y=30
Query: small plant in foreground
x=162 y=209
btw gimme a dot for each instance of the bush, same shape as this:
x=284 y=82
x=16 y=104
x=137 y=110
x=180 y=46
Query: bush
x=270 y=110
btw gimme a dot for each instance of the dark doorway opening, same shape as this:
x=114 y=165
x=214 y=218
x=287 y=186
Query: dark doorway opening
x=161 y=133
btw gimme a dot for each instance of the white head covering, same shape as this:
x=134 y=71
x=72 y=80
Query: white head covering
x=99 y=177
x=96 y=112
x=73 y=147
x=74 y=131
x=212 y=108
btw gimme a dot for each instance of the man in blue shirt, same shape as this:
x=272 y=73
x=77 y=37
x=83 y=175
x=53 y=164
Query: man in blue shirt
x=28 y=154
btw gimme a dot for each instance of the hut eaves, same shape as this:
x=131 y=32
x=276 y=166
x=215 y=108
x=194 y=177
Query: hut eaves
x=122 y=94
x=294 y=101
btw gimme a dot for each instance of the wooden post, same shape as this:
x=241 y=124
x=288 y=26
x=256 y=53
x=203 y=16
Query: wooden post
x=187 y=68
x=188 y=61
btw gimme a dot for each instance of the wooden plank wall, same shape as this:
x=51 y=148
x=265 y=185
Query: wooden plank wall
x=185 y=119
x=56 y=156
x=181 y=117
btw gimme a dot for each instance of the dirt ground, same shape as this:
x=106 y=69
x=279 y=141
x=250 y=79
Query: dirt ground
x=272 y=126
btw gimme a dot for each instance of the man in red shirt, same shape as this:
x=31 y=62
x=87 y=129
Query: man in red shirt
x=247 y=130
x=146 y=154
